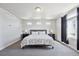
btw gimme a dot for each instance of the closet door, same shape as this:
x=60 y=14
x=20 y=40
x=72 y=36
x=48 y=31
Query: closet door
x=72 y=32
x=64 y=29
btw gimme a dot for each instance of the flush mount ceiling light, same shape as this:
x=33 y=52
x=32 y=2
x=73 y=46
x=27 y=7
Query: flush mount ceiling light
x=38 y=9
x=29 y=23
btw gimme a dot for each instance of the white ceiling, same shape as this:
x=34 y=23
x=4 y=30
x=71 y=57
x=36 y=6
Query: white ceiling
x=49 y=10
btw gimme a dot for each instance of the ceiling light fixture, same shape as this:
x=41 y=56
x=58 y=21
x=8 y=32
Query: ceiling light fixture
x=38 y=9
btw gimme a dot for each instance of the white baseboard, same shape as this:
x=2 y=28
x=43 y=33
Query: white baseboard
x=14 y=41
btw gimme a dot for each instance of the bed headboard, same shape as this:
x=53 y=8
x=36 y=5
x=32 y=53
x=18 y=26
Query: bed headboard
x=38 y=31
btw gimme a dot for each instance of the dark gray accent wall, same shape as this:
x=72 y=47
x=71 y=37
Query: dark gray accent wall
x=77 y=28
x=64 y=29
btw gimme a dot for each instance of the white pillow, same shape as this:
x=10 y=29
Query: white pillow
x=36 y=33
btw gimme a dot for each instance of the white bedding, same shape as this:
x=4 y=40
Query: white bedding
x=42 y=39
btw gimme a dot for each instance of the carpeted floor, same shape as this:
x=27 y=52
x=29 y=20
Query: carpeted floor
x=58 y=50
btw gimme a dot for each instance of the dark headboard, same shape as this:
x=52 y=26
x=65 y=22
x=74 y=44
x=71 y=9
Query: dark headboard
x=38 y=31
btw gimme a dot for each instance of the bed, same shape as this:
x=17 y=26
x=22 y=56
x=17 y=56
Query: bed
x=37 y=37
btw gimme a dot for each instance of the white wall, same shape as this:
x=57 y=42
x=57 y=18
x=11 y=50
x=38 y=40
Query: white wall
x=10 y=28
x=58 y=29
x=50 y=27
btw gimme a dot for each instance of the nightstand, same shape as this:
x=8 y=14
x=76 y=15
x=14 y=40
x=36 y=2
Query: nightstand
x=53 y=36
x=24 y=35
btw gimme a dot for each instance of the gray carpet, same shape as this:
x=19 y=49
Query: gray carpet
x=58 y=50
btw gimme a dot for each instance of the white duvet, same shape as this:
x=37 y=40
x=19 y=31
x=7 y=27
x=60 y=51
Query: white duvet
x=42 y=39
